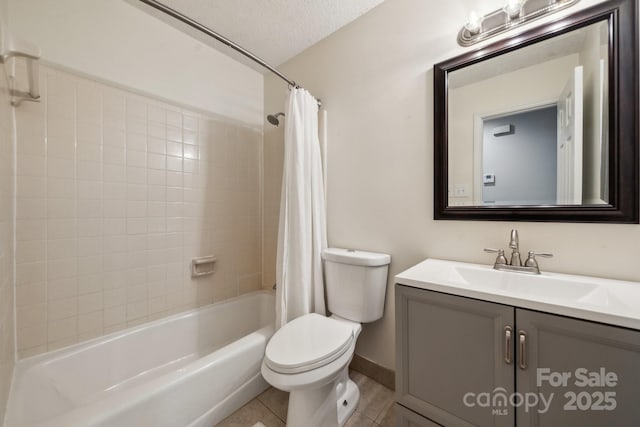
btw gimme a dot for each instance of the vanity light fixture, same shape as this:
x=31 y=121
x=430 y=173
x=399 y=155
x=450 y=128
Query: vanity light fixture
x=513 y=14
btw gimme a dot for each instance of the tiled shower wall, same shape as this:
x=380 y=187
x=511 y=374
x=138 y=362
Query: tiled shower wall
x=116 y=194
x=7 y=340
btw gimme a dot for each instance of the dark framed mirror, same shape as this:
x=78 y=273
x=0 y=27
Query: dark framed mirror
x=542 y=126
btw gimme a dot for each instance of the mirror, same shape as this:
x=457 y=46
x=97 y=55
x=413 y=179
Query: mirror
x=526 y=129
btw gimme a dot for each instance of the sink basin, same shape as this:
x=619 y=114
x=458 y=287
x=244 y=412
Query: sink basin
x=602 y=300
x=523 y=284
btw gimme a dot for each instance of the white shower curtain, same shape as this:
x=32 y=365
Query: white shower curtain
x=302 y=230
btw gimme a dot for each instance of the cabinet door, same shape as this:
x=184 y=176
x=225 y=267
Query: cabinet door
x=556 y=346
x=446 y=348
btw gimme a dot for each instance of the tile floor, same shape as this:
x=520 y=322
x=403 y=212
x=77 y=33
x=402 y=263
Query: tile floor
x=375 y=408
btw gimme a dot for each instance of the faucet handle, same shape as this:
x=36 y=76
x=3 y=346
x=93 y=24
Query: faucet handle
x=500 y=259
x=531 y=259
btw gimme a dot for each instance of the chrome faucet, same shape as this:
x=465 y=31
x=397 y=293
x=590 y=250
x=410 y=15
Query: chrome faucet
x=515 y=263
x=514 y=243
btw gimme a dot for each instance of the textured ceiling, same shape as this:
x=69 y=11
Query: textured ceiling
x=275 y=30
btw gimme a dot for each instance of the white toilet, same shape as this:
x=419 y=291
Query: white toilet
x=309 y=356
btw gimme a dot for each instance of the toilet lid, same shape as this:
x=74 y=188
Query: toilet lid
x=306 y=343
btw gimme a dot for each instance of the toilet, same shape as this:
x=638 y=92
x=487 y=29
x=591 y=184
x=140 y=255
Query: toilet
x=309 y=356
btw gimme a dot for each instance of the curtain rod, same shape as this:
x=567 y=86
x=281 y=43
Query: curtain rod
x=185 y=19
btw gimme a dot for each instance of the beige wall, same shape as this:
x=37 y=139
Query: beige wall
x=7 y=313
x=375 y=79
x=116 y=194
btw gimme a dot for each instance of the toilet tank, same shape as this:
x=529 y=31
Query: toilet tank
x=356 y=283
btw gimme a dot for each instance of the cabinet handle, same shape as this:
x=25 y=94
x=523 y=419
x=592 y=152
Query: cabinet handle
x=508 y=331
x=522 y=337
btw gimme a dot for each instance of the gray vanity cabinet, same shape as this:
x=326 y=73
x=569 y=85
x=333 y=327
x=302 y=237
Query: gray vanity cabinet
x=449 y=346
x=557 y=345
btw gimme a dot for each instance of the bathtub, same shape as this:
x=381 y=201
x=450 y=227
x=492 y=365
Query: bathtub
x=190 y=369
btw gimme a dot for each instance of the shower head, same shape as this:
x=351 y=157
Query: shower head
x=273 y=118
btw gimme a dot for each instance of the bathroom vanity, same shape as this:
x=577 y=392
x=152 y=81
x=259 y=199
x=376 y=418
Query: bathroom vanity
x=476 y=346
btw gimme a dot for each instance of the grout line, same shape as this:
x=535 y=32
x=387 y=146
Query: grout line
x=269 y=409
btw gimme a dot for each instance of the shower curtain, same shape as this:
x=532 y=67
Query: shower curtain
x=302 y=230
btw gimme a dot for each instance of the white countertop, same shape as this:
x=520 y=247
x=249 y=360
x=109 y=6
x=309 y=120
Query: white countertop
x=614 y=302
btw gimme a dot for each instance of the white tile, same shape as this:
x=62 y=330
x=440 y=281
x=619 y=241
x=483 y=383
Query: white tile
x=32 y=336
x=156 y=193
x=136 y=192
x=90 y=302
x=90 y=246
x=156 y=130
x=31 y=229
x=29 y=165
x=62 y=308
x=156 y=114
x=61 y=249
x=88 y=133
x=114 y=173
x=156 y=161
x=114 y=297
x=115 y=315
x=156 y=209
x=61 y=168
x=30 y=273
x=136 y=175
x=62 y=289
x=174 y=119
x=114 y=262
x=136 y=243
x=90 y=284
x=89 y=170
x=136 y=107
x=113 y=191
x=136 y=126
x=90 y=227
x=60 y=329
x=89 y=189
x=114 y=155
x=156 y=145
x=175 y=194
x=30 y=294
x=175 y=179
x=30 y=251
x=174 y=163
x=174 y=149
x=89 y=208
x=58 y=188
x=31 y=208
x=60 y=209
x=31 y=315
x=136 y=310
x=114 y=137
x=189 y=137
x=90 y=322
x=136 y=209
x=89 y=265
x=156 y=177
x=136 y=141
x=190 y=122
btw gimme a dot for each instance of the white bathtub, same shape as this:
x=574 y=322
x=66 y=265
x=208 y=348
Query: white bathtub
x=191 y=369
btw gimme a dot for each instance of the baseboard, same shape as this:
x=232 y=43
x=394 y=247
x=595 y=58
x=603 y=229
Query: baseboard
x=384 y=376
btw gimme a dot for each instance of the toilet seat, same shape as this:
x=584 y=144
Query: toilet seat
x=308 y=342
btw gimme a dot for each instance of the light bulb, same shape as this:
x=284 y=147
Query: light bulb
x=512 y=8
x=473 y=26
